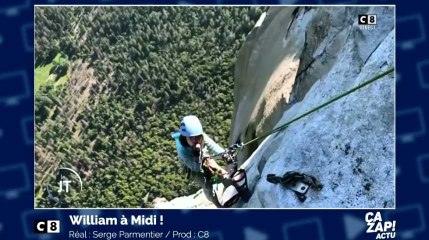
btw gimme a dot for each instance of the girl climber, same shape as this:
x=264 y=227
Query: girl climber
x=194 y=148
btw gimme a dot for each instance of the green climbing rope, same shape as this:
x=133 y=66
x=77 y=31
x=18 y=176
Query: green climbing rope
x=284 y=126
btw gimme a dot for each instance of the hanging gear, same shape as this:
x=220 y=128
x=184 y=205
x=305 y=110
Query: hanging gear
x=234 y=180
x=299 y=183
x=238 y=189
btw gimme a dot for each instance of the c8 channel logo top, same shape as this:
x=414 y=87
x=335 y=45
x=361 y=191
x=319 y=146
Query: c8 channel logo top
x=47 y=226
x=367 y=21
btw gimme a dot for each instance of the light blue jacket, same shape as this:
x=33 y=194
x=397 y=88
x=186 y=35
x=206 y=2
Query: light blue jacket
x=185 y=153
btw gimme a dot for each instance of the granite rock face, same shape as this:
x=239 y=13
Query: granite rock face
x=348 y=145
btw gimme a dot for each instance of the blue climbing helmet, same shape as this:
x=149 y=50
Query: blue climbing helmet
x=190 y=126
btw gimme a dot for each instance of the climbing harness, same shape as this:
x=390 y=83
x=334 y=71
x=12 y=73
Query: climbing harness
x=235 y=180
x=238 y=189
x=299 y=183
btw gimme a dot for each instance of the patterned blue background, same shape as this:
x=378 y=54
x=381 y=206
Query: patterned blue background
x=16 y=146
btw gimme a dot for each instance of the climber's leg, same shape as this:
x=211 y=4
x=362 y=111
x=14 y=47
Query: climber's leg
x=209 y=190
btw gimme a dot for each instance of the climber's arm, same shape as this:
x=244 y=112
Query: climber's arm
x=212 y=146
